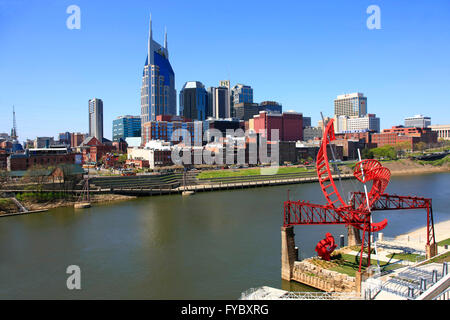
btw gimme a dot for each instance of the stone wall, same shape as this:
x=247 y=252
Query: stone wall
x=320 y=278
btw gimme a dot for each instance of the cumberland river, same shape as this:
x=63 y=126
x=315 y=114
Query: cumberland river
x=211 y=245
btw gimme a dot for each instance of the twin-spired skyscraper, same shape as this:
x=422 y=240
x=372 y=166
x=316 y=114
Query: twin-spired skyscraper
x=158 y=95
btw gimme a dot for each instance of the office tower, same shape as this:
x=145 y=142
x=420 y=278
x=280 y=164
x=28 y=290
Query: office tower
x=418 y=121
x=340 y=123
x=245 y=111
x=350 y=105
x=369 y=122
x=125 y=127
x=218 y=105
x=158 y=95
x=306 y=122
x=211 y=102
x=193 y=101
x=241 y=94
x=271 y=107
x=96 y=119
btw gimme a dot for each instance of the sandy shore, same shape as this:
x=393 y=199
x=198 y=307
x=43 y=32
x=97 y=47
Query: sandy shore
x=104 y=198
x=441 y=230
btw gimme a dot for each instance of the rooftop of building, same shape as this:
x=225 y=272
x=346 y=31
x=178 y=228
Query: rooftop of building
x=193 y=85
x=350 y=95
x=128 y=117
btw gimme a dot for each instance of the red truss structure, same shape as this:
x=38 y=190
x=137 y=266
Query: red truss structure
x=358 y=212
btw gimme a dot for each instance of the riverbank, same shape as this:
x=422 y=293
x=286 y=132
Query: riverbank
x=408 y=167
x=35 y=206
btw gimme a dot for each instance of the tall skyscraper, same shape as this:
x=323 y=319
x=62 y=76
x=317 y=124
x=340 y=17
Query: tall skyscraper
x=193 y=101
x=350 y=105
x=158 y=95
x=96 y=118
x=218 y=105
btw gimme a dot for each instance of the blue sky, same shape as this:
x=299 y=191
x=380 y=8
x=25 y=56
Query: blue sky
x=300 y=53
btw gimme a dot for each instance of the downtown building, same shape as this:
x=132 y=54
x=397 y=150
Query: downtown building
x=241 y=95
x=219 y=101
x=126 y=127
x=158 y=94
x=408 y=135
x=418 y=121
x=193 y=101
x=442 y=130
x=271 y=107
x=96 y=118
x=344 y=124
x=288 y=124
x=350 y=105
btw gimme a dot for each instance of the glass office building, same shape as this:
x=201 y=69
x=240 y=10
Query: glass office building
x=241 y=94
x=193 y=101
x=125 y=127
x=158 y=94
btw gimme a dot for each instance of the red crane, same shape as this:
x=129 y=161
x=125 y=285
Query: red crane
x=358 y=212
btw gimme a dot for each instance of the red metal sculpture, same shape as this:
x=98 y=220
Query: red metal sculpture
x=325 y=247
x=358 y=212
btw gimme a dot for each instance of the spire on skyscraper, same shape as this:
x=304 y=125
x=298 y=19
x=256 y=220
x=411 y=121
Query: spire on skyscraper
x=165 y=37
x=150 y=36
x=165 y=43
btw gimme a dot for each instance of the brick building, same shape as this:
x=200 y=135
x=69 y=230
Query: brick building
x=289 y=124
x=400 y=134
x=44 y=157
x=93 y=150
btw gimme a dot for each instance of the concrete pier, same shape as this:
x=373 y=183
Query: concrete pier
x=288 y=254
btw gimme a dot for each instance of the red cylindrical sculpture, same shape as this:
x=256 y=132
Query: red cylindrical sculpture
x=326 y=246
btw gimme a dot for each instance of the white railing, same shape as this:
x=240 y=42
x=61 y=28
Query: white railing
x=262 y=294
x=321 y=296
x=443 y=296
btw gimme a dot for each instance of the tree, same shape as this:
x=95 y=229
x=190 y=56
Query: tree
x=385 y=152
x=367 y=153
x=122 y=159
x=420 y=146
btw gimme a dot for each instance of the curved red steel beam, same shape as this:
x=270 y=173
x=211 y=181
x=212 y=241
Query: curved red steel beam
x=326 y=181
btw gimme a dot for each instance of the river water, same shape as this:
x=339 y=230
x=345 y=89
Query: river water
x=211 y=245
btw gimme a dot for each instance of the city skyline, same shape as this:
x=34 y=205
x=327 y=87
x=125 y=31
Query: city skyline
x=60 y=82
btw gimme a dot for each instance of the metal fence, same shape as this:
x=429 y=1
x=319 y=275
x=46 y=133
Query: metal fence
x=443 y=296
x=262 y=294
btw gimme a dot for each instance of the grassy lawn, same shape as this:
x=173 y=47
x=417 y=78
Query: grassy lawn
x=348 y=264
x=442 y=258
x=404 y=256
x=246 y=172
x=444 y=242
